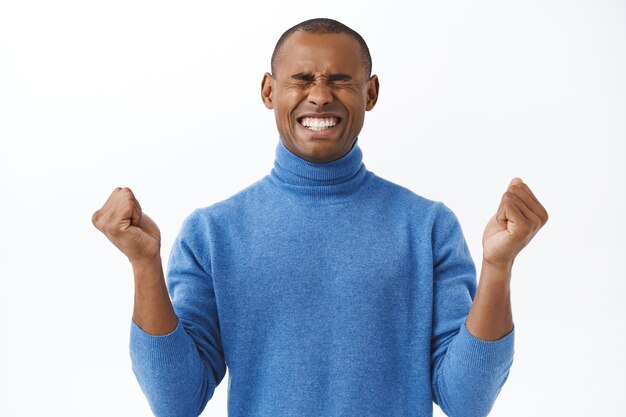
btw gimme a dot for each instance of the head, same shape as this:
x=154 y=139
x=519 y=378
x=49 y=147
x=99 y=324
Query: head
x=320 y=88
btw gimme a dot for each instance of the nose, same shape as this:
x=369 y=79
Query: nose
x=320 y=94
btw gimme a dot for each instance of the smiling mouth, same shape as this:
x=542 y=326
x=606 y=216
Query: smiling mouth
x=319 y=123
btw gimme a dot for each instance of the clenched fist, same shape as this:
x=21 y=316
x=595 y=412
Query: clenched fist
x=123 y=223
x=519 y=217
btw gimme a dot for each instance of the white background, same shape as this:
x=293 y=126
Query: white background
x=164 y=97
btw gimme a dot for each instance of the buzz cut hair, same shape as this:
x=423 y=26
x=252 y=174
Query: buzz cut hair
x=322 y=25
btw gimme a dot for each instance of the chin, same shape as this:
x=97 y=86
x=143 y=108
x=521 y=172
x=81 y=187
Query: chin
x=323 y=152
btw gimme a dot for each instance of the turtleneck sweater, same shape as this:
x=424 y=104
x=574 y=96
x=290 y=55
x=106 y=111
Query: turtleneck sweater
x=325 y=290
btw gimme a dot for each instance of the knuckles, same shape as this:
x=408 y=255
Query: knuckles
x=95 y=219
x=107 y=218
x=544 y=216
x=508 y=197
x=102 y=221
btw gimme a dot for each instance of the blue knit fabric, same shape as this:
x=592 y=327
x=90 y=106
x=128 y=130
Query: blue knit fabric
x=327 y=291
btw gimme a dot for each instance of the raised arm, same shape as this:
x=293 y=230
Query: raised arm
x=518 y=218
x=138 y=237
x=175 y=346
x=473 y=332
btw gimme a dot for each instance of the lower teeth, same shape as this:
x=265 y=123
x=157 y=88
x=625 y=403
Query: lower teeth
x=318 y=128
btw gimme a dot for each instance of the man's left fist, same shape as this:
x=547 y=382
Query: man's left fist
x=518 y=219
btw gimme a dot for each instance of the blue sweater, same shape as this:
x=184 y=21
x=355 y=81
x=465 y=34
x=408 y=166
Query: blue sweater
x=327 y=291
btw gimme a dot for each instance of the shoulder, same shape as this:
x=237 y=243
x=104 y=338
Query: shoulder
x=237 y=206
x=235 y=203
x=401 y=196
x=428 y=215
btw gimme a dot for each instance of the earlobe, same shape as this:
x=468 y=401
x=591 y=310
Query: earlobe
x=372 y=92
x=266 y=90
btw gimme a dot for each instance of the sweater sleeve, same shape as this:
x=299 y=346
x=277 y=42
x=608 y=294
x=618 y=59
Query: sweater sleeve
x=467 y=373
x=178 y=372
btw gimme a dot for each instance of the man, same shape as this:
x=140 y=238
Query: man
x=325 y=289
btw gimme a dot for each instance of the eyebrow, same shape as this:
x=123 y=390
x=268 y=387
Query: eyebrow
x=307 y=76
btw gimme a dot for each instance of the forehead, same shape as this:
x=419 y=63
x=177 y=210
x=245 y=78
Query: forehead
x=320 y=53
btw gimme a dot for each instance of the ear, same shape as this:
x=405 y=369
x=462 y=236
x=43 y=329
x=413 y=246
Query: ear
x=266 y=90
x=372 y=93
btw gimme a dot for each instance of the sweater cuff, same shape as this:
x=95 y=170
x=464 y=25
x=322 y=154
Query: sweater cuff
x=168 y=349
x=486 y=355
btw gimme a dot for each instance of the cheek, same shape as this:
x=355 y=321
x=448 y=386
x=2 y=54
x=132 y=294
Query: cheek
x=286 y=104
x=353 y=101
x=356 y=107
x=291 y=98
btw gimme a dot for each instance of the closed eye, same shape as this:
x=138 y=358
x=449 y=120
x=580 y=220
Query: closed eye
x=301 y=76
x=339 y=77
x=309 y=78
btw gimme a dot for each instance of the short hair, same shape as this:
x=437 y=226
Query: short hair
x=322 y=25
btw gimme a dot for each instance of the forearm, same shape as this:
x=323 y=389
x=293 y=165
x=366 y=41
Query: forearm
x=478 y=359
x=165 y=355
x=490 y=317
x=171 y=373
x=153 y=311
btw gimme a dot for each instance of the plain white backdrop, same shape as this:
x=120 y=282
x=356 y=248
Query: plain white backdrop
x=164 y=98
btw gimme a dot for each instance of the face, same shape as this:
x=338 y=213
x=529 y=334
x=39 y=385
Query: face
x=319 y=93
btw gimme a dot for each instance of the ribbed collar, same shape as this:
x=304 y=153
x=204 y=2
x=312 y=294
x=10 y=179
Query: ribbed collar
x=319 y=181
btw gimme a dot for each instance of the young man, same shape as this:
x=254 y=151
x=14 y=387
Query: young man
x=325 y=289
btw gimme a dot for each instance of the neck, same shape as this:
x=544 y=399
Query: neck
x=318 y=181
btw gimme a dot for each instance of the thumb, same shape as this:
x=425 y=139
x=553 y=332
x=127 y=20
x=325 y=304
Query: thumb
x=148 y=225
x=515 y=181
x=135 y=216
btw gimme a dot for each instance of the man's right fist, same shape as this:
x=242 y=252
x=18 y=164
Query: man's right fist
x=123 y=223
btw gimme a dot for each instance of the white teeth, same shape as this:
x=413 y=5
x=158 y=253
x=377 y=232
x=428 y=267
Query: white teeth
x=315 y=123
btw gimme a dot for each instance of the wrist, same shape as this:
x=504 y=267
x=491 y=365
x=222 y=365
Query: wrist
x=148 y=269
x=503 y=266
x=146 y=263
x=495 y=271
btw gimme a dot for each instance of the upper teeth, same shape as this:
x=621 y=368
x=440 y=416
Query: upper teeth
x=316 y=123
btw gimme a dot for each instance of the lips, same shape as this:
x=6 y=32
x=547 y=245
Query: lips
x=318 y=123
